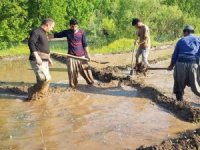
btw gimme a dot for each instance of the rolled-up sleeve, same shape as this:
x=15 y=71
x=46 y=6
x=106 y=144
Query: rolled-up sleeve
x=60 y=34
x=32 y=41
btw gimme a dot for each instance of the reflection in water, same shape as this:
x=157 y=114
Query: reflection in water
x=109 y=118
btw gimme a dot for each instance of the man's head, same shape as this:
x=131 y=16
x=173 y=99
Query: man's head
x=48 y=24
x=136 y=22
x=73 y=24
x=188 y=30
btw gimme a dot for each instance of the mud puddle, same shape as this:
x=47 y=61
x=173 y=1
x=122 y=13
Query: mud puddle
x=163 y=80
x=20 y=72
x=111 y=116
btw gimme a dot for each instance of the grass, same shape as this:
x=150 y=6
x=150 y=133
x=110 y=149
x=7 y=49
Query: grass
x=121 y=45
x=21 y=49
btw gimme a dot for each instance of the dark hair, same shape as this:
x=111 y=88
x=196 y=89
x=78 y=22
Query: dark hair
x=189 y=29
x=135 y=21
x=47 y=20
x=73 y=22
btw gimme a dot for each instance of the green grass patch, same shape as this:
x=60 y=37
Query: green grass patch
x=121 y=45
x=21 y=49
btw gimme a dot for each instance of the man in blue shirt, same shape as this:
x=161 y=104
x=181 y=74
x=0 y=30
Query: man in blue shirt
x=186 y=61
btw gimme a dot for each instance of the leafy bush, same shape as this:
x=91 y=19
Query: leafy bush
x=165 y=26
x=105 y=21
x=14 y=23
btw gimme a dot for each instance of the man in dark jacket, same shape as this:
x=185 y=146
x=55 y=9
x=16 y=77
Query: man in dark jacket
x=77 y=46
x=186 y=61
x=40 y=59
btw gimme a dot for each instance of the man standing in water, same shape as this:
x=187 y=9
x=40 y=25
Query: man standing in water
x=77 y=46
x=186 y=59
x=143 y=42
x=40 y=59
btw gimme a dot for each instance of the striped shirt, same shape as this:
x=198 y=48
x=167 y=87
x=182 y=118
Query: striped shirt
x=76 y=41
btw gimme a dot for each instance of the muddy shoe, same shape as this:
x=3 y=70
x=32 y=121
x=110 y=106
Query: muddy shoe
x=141 y=68
x=40 y=95
x=36 y=96
x=28 y=99
x=97 y=84
x=71 y=89
x=30 y=94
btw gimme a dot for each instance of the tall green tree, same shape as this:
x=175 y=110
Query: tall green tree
x=188 y=6
x=14 y=22
x=41 y=9
x=81 y=10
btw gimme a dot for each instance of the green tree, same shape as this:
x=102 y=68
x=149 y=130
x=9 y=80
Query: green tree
x=14 y=22
x=188 y=6
x=81 y=10
x=41 y=9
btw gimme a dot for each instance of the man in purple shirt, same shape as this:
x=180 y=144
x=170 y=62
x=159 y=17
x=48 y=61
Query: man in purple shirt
x=77 y=46
x=186 y=61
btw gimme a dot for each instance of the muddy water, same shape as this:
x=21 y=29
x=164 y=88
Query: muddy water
x=163 y=81
x=15 y=72
x=111 y=117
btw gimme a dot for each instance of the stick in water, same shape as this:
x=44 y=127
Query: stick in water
x=43 y=139
x=79 y=58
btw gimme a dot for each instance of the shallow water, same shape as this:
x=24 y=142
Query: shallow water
x=15 y=72
x=112 y=117
x=163 y=81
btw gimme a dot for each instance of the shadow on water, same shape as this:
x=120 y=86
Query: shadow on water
x=13 y=97
x=12 y=93
x=195 y=104
x=112 y=91
x=55 y=69
x=15 y=90
x=6 y=83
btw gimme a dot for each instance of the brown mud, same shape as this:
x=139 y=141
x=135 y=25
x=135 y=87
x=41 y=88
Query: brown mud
x=120 y=112
x=110 y=116
x=183 y=110
x=187 y=141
